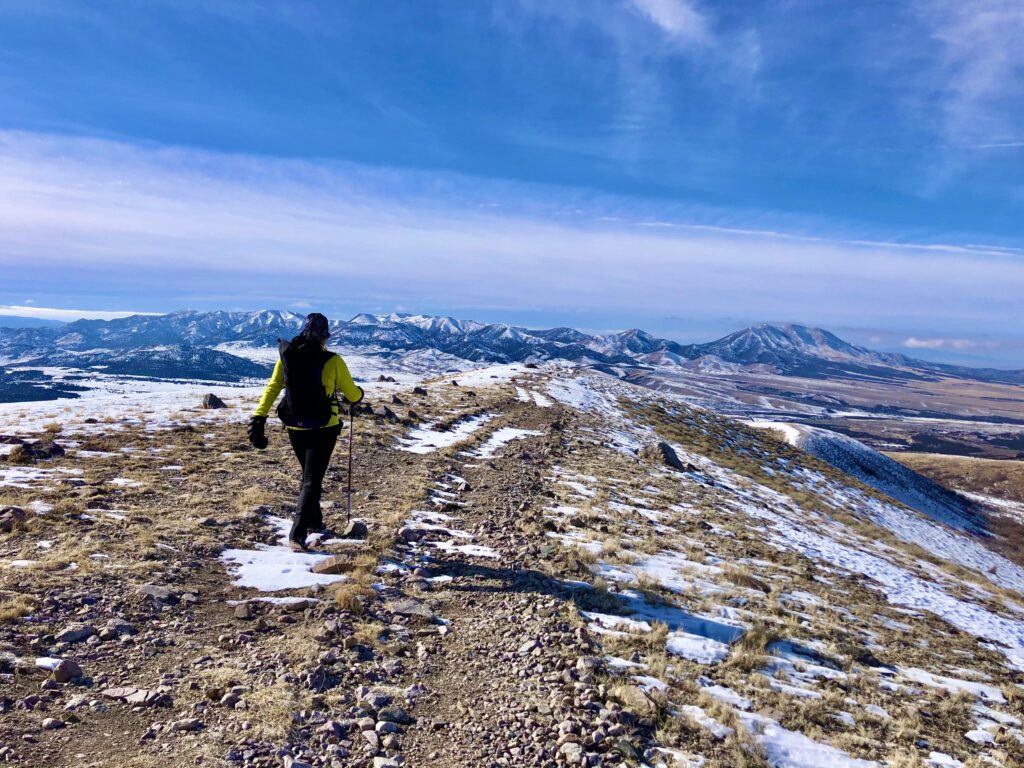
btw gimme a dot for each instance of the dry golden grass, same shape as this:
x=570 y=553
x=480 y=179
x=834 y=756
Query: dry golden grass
x=1002 y=478
x=369 y=633
x=749 y=652
x=252 y=496
x=741 y=576
x=904 y=759
x=13 y=607
x=17 y=455
x=353 y=596
x=271 y=709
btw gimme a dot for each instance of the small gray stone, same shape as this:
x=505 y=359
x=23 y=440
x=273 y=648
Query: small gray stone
x=372 y=739
x=356 y=529
x=375 y=700
x=161 y=594
x=120 y=628
x=662 y=453
x=75 y=633
x=410 y=607
x=395 y=715
x=10 y=518
x=528 y=647
x=212 y=401
x=66 y=671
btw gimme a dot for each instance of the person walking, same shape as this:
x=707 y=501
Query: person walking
x=311 y=377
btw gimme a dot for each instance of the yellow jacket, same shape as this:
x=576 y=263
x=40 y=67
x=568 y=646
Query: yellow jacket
x=335 y=377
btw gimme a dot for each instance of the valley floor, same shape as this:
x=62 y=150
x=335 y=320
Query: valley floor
x=538 y=589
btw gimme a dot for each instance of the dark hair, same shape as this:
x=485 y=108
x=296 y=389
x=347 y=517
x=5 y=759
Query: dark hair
x=316 y=327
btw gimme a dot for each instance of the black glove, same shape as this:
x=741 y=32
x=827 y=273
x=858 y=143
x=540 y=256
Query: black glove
x=256 y=436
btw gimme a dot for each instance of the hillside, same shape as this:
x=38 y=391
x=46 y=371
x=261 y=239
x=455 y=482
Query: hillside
x=999 y=484
x=884 y=474
x=539 y=588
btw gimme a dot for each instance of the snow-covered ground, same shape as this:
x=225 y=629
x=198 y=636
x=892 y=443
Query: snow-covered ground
x=879 y=471
x=275 y=567
x=112 y=402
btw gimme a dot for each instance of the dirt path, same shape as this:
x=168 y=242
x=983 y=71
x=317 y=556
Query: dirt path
x=514 y=684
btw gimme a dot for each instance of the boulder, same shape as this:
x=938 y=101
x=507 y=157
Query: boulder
x=116 y=628
x=11 y=518
x=119 y=693
x=410 y=607
x=296 y=606
x=159 y=594
x=212 y=401
x=375 y=701
x=384 y=413
x=146 y=698
x=66 y=671
x=419 y=391
x=356 y=529
x=662 y=453
x=333 y=565
x=634 y=699
x=394 y=715
x=75 y=633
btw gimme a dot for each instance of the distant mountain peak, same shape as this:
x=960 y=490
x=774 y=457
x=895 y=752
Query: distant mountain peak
x=787 y=349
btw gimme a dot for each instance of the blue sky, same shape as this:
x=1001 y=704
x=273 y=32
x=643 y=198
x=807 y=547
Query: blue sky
x=680 y=165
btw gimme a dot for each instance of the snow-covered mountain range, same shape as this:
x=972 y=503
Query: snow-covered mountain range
x=182 y=345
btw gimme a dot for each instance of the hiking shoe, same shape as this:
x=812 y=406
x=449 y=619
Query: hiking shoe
x=296 y=546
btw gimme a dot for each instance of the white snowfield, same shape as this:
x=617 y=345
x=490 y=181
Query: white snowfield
x=879 y=471
x=500 y=439
x=427 y=439
x=790 y=749
x=113 y=402
x=274 y=568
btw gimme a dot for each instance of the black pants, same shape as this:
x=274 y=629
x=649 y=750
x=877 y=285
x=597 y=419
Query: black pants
x=313 y=447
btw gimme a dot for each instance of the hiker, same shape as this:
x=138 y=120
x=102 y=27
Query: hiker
x=311 y=377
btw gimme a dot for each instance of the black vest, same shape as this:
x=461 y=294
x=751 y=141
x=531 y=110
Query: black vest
x=305 y=403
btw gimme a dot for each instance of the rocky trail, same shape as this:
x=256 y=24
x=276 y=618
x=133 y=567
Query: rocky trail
x=543 y=584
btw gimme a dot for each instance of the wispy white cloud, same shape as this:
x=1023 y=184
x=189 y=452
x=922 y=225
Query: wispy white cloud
x=960 y=345
x=85 y=217
x=983 y=62
x=53 y=313
x=679 y=19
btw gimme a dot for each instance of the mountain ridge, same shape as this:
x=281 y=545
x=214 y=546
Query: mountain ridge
x=786 y=349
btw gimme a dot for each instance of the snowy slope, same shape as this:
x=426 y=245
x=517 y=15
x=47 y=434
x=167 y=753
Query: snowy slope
x=882 y=473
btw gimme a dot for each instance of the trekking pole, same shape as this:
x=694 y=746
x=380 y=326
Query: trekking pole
x=351 y=423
